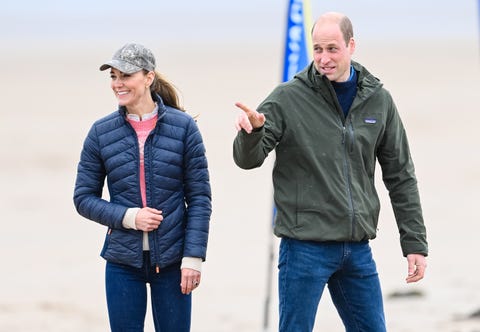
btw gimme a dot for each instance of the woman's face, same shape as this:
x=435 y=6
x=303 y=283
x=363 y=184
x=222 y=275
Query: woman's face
x=131 y=89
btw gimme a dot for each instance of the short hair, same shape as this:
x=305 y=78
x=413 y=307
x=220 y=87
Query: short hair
x=344 y=24
x=346 y=28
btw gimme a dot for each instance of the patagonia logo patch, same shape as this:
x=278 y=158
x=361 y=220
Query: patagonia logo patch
x=370 y=120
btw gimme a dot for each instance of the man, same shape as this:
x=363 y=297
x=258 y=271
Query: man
x=329 y=125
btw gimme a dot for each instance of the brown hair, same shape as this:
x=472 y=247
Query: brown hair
x=346 y=28
x=343 y=21
x=166 y=90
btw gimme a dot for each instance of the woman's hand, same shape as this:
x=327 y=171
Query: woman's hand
x=148 y=219
x=190 y=280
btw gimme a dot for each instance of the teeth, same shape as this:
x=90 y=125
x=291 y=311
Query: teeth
x=122 y=92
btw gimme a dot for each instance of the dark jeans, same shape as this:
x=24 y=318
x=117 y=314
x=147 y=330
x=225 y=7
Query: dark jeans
x=348 y=268
x=126 y=289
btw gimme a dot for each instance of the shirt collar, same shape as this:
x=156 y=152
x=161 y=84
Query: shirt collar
x=148 y=116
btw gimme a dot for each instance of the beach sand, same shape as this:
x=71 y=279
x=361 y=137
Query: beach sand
x=52 y=276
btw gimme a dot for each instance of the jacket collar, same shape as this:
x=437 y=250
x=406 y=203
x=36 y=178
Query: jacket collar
x=367 y=83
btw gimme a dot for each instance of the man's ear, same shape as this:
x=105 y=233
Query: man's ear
x=351 y=45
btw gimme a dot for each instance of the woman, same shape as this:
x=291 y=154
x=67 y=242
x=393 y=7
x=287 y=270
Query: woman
x=153 y=158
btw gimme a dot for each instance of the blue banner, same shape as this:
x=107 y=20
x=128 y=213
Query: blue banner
x=298 y=39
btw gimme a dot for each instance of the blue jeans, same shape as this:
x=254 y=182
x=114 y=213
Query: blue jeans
x=305 y=267
x=126 y=289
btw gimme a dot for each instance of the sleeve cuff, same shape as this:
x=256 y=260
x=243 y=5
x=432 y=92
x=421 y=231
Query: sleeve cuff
x=129 y=218
x=194 y=263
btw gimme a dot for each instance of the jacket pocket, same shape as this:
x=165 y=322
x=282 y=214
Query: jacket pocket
x=123 y=246
x=319 y=226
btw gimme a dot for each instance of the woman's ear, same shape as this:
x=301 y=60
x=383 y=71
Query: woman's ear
x=150 y=78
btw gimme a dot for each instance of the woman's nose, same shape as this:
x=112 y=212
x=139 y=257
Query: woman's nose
x=117 y=82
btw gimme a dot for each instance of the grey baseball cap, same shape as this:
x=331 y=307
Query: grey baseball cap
x=131 y=58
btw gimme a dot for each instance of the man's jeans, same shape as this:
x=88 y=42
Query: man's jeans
x=127 y=298
x=351 y=274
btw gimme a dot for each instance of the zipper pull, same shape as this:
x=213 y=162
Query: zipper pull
x=157 y=268
x=352 y=138
x=344 y=133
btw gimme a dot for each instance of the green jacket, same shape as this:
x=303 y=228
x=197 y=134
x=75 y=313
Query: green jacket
x=323 y=175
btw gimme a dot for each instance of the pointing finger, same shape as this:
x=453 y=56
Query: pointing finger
x=244 y=108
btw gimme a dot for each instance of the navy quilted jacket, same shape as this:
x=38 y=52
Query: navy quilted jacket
x=177 y=182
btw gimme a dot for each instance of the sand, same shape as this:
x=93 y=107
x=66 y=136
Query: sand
x=52 y=275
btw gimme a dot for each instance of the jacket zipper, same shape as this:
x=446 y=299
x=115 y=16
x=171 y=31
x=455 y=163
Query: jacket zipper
x=344 y=123
x=347 y=130
x=155 y=242
x=149 y=183
x=155 y=249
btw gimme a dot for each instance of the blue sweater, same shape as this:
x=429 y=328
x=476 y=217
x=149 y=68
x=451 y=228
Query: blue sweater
x=346 y=91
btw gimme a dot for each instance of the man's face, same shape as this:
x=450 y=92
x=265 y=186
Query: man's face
x=331 y=55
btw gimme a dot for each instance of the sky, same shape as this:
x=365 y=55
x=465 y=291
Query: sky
x=104 y=21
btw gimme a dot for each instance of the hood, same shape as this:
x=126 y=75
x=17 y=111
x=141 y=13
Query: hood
x=367 y=83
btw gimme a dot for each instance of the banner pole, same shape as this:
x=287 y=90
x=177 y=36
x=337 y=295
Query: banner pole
x=296 y=58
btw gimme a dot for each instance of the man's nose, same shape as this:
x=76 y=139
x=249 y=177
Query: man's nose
x=324 y=59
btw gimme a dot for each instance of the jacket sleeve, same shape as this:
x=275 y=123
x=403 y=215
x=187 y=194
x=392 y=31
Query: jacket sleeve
x=197 y=194
x=399 y=177
x=89 y=184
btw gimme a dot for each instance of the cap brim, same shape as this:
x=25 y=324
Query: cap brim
x=123 y=66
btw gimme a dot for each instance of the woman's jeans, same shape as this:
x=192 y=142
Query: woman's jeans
x=126 y=289
x=305 y=267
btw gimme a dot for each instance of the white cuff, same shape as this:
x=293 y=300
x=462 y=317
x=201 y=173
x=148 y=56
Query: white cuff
x=194 y=263
x=129 y=218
